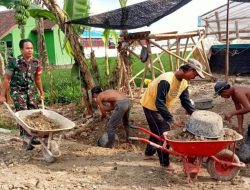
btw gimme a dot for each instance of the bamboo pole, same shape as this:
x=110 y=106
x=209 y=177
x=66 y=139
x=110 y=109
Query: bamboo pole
x=150 y=59
x=143 y=78
x=158 y=69
x=218 y=23
x=134 y=77
x=158 y=57
x=130 y=51
x=190 y=53
x=185 y=49
x=237 y=29
x=170 y=57
x=207 y=62
x=169 y=52
x=201 y=54
x=160 y=63
x=120 y=71
x=177 y=52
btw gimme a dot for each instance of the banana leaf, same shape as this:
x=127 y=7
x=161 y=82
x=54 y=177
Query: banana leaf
x=37 y=11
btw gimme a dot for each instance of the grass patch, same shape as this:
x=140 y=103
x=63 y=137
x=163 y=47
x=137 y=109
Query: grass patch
x=63 y=85
x=7 y=125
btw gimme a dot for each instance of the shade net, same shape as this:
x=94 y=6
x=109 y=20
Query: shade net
x=133 y=16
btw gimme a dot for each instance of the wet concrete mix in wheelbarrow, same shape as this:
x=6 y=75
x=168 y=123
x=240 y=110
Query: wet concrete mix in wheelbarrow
x=185 y=136
x=40 y=122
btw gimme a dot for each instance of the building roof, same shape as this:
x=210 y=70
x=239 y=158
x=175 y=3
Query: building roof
x=48 y=25
x=239 y=21
x=7 y=22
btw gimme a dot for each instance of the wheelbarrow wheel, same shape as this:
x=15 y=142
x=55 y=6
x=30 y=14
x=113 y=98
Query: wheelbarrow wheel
x=220 y=171
x=53 y=153
x=47 y=157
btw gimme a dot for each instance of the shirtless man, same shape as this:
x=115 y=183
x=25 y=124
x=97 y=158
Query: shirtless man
x=107 y=101
x=241 y=98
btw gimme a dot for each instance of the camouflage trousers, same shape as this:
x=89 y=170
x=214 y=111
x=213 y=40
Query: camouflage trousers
x=24 y=99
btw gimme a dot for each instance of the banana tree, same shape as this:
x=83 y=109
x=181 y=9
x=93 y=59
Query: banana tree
x=21 y=12
x=73 y=38
x=123 y=3
x=7 y=3
x=105 y=37
x=41 y=44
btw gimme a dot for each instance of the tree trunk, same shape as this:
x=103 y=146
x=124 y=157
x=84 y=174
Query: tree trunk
x=94 y=66
x=74 y=42
x=41 y=45
x=1 y=66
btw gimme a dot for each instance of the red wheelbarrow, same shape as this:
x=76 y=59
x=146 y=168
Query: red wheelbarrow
x=222 y=163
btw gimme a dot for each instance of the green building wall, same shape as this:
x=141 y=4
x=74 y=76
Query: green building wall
x=56 y=55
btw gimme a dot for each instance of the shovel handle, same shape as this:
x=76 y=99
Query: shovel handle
x=42 y=102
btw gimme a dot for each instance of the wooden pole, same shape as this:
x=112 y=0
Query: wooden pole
x=169 y=52
x=192 y=51
x=121 y=71
x=185 y=49
x=227 y=45
x=177 y=52
x=150 y=59
x=237 y=29
x=218 y=24
x=170 y=57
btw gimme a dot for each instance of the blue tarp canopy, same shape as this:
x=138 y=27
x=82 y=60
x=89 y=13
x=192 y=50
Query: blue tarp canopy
x=133 y=16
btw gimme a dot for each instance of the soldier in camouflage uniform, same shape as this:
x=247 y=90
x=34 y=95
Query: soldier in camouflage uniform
x=23 y=77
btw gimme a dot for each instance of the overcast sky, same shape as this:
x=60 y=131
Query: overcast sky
x=182 y=20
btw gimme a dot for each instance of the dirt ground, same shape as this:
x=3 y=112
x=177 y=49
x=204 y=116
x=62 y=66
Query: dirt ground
x=83 y=165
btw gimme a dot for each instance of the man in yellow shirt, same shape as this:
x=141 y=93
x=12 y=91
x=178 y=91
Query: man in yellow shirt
x=160 y=96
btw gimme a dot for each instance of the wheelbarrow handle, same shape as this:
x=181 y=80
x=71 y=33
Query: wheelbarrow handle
x=134 y=127
x=134 y=138
x=163 y=148
x=148 y=132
